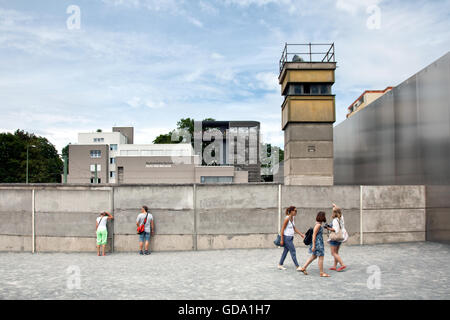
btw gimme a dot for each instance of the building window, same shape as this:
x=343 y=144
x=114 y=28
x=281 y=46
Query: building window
x=325 y=89
x=99 y=167
x=112 y=174
x=306 y=89
x=96 y=154
x=99 y=139
x=93 y=180
x=113 y=147
x=205 y=179
x=112 y=160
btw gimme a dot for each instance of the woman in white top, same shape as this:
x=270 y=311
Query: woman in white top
x=287 y=237
x=102 y=232
x=338 y=224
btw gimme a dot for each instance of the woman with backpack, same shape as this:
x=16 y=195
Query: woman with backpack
x=288 y=230
x=101 y=230
x=316 y=248
x=337 y=227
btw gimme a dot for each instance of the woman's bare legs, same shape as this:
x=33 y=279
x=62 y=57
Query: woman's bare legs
x=335 y=254
x=308 y=262
x=322 y=274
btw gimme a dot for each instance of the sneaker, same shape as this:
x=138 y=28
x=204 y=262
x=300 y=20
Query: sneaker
x=281 y=267
x=147 y=252
x=141 y=253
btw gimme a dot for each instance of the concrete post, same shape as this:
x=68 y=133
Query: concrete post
x=112 y=221
x=194 y=236
x=361 y=215
x=33 y=223
x=279 y=208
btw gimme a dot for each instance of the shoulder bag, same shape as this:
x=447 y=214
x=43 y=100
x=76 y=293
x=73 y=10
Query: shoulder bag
x=141 y=228
x=337 y=236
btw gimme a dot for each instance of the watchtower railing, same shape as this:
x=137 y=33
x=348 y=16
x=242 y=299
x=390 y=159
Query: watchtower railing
x=305 y=52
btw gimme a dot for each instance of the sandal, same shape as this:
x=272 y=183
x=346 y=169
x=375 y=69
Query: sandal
x=325 y=275
x=333 y=268
x=303 y=270
x=341 y=268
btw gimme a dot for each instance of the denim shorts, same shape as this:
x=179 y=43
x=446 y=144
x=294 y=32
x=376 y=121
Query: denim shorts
x=144 y=236
x=335 y=243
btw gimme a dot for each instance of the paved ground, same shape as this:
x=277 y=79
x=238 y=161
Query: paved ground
x=407 y=271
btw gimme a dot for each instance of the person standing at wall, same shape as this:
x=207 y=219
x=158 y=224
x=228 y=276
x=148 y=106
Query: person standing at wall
x=102 y=231
x=145 y=218
x=316 y=248
x=288 y=230
x=338 y=225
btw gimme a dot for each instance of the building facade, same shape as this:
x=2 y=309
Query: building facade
x=109 y=157
x=365 y=99
x=236 y=144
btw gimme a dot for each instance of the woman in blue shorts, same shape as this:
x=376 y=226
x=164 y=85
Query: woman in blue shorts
x=338 y=224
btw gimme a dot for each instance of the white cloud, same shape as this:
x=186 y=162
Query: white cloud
x=208 y=8
x=353 y=6
x=216 y=56
x=137 y=102
x=195 y=22
x=259 y=3
x=268 y=81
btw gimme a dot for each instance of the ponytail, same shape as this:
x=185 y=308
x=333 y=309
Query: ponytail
x=290 y=209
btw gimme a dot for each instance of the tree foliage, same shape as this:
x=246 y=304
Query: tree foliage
x=182 y=124
x=44 y=164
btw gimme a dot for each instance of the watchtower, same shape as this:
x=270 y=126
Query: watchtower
x=308 y=113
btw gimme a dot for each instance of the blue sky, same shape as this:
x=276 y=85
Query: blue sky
x=148 y=63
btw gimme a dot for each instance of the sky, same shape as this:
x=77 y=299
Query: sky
x=81 y=65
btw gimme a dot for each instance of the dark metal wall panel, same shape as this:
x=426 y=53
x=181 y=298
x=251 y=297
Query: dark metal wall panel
x=402 y=137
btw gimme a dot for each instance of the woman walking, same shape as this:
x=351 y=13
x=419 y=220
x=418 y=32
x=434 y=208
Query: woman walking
x=316 y=248
x=102 y=232
x=338 y=224
x=287 y=237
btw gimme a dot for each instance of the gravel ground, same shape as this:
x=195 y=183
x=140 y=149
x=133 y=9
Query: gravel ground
x=388 y=271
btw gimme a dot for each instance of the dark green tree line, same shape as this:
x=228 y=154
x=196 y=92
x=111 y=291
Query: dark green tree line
x=44 y=164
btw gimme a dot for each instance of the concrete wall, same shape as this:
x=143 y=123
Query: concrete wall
x=438 y=213
x=393 y=214
x=15 y=219
x=204 y=217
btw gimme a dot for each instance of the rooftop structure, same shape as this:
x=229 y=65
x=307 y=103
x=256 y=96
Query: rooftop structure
x=365 y=99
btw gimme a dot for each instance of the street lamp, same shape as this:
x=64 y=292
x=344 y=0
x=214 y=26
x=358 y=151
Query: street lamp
x=28 y=146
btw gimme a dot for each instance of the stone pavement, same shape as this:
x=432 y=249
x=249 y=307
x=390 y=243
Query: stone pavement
x=406 y=271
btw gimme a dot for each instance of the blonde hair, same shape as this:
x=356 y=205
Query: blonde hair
x=337 y=213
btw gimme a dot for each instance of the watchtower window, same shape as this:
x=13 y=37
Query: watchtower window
x=299 y=89
x=306 y=89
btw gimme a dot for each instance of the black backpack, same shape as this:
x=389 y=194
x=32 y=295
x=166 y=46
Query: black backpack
x=308 y=237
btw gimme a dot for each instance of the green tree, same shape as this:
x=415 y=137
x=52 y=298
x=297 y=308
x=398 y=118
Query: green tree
x=183 y=124
x=65 y=153
x=267 y=151
x=44 y=164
